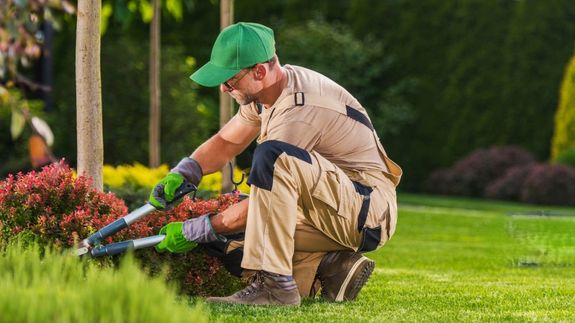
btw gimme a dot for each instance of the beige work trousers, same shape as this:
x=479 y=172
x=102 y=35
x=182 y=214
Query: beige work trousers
x=309 y=209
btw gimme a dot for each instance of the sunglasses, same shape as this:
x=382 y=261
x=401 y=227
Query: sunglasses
x=231 y=87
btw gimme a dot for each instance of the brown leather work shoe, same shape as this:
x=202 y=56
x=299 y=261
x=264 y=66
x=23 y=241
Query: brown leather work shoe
x=342 y=275
x=265 y=289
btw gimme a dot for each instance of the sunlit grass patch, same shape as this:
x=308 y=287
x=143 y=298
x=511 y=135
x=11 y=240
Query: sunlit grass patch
x=61 y=288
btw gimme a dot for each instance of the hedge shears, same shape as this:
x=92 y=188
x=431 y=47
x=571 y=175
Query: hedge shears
x=93 y=243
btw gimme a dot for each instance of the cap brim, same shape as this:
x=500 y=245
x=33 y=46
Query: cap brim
x=211 y=75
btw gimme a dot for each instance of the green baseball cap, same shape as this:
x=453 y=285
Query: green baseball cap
x=238 y=46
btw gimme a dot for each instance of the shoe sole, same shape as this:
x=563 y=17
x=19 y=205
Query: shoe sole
x=230 y=301
x=351 y=286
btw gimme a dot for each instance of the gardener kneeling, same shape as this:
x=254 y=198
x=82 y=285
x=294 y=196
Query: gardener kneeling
x=322 y=189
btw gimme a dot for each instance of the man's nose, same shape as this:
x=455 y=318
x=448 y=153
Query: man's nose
x=224 y=88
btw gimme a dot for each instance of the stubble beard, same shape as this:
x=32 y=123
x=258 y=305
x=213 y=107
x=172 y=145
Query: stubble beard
x=245 y=100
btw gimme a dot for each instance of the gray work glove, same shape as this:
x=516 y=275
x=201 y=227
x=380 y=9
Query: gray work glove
x=200 y=230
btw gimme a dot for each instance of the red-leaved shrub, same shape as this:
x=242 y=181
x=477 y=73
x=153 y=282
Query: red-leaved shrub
x=510 y=185
x=53 y=207
x=549 y=184
x=195 y=272
x=471 y=175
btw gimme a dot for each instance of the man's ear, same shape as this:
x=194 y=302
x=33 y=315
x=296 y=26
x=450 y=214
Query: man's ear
x=260 y=72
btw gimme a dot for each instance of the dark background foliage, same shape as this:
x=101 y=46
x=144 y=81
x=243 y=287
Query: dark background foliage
x=439 y=78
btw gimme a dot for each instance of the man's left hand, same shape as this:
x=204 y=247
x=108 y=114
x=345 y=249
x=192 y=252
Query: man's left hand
x=175 y=240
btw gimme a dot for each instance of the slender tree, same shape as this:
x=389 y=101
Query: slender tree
x=90 y=143
x=155 y=92
x=226 y=104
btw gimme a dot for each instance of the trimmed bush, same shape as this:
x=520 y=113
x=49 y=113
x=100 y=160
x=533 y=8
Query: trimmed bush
x=471 y=175
x=549 y=184
x=194 y=272
x=53 y=207
x=509 y=186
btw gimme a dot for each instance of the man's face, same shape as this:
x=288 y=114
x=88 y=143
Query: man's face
x=238 y=87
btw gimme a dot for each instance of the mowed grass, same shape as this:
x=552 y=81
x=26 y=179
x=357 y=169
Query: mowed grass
x=455 y=260
x=451 y=259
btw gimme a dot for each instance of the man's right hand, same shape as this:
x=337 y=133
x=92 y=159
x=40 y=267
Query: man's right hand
x=164 y=192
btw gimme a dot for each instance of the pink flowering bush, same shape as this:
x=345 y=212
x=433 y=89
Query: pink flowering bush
x=53 y=207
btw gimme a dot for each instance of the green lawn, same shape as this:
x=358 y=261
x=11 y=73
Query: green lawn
x=456 y=260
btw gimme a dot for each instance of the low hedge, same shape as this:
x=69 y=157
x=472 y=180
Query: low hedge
x=52 y=207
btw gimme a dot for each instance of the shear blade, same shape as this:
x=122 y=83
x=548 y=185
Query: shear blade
x=82 y=251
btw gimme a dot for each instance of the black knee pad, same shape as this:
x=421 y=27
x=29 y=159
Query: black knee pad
x=265 y=156
x=231 y=259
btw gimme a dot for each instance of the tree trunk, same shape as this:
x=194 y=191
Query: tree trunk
x=90 y=143
x=226 y=103
x=155 y=92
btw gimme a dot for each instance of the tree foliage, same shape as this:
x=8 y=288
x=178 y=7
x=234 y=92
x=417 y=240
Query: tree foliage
x=564 y=136
x=473 y=73
x=20 y=31
x=487 y=73
x=21 y=43
x=350 y=63
x=188 y=119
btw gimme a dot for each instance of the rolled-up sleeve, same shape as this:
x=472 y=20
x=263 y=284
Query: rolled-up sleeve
x=249 y=115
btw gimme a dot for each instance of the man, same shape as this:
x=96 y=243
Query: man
x=322 y=188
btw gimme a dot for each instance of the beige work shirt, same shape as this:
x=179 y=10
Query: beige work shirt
x=348 y=144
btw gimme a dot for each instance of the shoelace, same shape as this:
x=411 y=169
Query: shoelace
x=257 y=282
x=322 y=287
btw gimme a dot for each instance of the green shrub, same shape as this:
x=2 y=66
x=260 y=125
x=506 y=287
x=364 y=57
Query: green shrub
x=566 y=157
x=58 y=287
x=487 y=73
x=564 y=135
